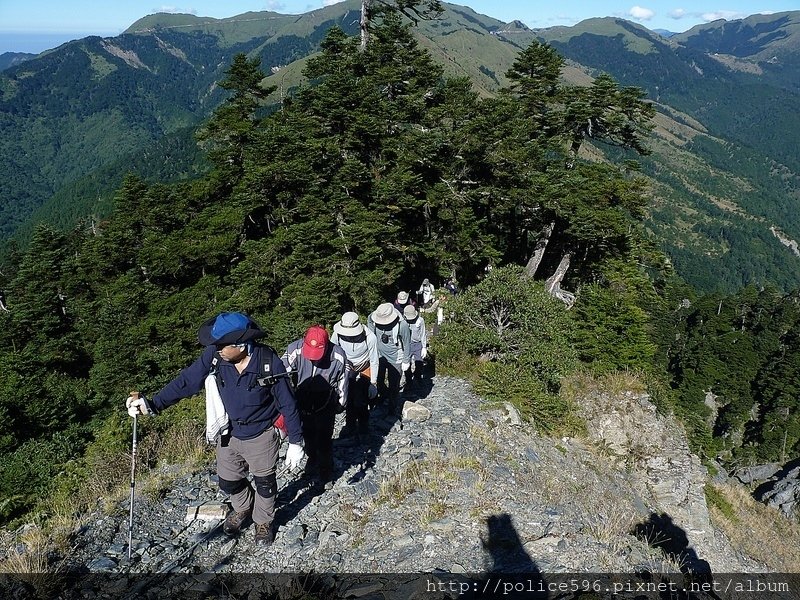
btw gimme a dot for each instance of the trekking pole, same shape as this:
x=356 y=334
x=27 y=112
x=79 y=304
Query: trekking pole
x=133 y=480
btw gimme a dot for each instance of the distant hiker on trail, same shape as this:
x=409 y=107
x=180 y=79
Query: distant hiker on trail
x=393 y=337
x=450 y=286
x=361 y=348
x=418 y=348
x=450 y=289
x=426 y=290
x=246 y=391
x=403 y=299
x=321 y=393
x=62 y=302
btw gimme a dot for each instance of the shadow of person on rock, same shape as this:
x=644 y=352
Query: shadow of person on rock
x=422 y=386
x=419 y=390
x=293 y=498
x=661 y=532
x=357 y=450
x=506 y=555
x=355 y=455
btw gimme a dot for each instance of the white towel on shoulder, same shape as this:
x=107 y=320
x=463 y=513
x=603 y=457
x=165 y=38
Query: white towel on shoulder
x=217 y=421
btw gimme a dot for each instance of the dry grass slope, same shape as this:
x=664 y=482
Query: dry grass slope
x=758 y=530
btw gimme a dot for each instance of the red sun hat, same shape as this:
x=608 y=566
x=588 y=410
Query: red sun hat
x=315 y=342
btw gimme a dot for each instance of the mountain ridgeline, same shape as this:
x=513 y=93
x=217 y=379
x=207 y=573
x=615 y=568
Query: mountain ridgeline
x=378 y=168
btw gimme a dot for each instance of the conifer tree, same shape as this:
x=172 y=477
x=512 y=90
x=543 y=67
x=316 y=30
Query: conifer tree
x=230 y=129
x=535 y=81
x=360 y=176
x=777 y=428
x=413 y=9
x=586 y=210
x=606 y=113
x=48 y=354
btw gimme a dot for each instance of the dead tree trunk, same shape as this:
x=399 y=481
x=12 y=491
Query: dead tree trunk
x=364 y=23
x=553 y=283
x=538 y=251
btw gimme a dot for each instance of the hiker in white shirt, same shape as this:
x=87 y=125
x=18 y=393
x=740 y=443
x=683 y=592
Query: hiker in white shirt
x=361 y=347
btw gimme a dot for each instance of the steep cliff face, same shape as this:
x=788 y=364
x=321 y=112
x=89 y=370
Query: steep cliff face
x=654 y=451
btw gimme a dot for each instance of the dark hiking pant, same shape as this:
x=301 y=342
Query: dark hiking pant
x=414 y=374
x=357 y=409
x=318 y=436
x=390 y=392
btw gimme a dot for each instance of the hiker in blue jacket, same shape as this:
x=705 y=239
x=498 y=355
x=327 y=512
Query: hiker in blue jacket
x=254 y=392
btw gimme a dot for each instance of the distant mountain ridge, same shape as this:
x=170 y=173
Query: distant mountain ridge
x=761 y=38
x=724 y=170
x=11 y=59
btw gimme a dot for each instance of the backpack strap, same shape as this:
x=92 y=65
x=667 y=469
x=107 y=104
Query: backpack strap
x=265 y=378
x=214 y=370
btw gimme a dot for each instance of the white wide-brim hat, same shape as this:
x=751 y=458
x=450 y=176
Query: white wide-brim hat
x=349 y=325
x=384 y=314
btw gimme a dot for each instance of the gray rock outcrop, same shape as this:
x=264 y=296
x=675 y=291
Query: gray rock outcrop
x=784 y=492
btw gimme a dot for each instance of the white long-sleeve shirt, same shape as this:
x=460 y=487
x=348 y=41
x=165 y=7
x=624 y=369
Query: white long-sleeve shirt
x=361 y=351
x=419 y=334
x=427 y=290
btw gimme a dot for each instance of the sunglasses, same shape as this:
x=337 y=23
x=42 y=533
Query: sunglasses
x=237 y=346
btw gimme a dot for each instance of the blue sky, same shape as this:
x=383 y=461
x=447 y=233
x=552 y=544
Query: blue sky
x=36 y=25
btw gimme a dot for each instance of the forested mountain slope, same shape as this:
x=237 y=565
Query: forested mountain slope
x=9 y=59
x=723 y=169
x=728 y=171
x=97 y=101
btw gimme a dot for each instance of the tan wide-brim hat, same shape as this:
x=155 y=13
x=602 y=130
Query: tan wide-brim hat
x=385 y=314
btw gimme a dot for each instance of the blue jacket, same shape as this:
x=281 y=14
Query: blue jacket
x=251 y=407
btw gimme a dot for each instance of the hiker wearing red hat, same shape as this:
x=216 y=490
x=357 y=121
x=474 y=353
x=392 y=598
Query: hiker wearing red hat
x=321 y=393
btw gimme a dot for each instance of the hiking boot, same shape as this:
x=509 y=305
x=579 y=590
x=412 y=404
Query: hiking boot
x=234 y=521
x=264 y=534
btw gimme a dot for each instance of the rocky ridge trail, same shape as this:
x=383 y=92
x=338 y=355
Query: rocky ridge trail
x=454 y=487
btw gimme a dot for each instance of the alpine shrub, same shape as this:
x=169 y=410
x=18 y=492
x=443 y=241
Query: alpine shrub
x=521 y=338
